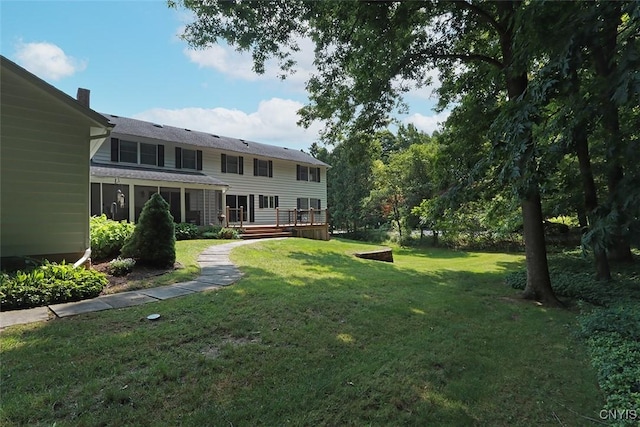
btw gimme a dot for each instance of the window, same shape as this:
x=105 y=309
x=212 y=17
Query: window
x=314 y=174
x=232 y=164
x=148 y=154
x=267 y=202
x=128 y=152
x=236 y=205
x=138 y=153
x=262 y=168
x=305 y=173
x=188 y=159
x=303 y=203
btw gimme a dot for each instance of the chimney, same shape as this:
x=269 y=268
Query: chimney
x=83 y=96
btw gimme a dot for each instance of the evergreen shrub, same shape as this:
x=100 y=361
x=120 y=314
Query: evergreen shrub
x=153 y=241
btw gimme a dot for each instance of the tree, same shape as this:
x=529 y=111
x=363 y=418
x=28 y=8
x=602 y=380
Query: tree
x=153 y=241
x=358 y=84
x=349 y=181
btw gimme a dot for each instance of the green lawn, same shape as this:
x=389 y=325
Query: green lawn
x=187 y=252
x=312 y=336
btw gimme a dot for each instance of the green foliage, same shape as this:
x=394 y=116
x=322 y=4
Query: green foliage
x=618 y=367
x=153 y=240
x=121 y=266
x=49 y=283
x=611 y=329
x=186 y=231
x=622 y=319
x=210 y=232
x=108 y=236
x=228 y=233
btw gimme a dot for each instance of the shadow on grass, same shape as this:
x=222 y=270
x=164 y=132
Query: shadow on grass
x=334 y=340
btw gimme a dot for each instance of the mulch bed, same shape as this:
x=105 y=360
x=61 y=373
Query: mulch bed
x=139 y=273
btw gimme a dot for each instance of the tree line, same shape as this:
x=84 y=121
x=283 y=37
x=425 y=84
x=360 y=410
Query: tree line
x=544 y=101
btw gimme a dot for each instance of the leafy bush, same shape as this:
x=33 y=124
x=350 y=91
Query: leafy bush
x=617 y=362
x=49 y=283
x=108 y=236
x=228 y=233
x=153 y=241
x=121 y=266
x=186 y=231
x=210 y=232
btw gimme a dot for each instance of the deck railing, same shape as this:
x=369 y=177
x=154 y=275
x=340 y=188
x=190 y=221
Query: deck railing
x=298 y=217
x=283 y=217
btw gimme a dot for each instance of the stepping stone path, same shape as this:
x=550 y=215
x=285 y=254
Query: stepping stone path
x=216 y=271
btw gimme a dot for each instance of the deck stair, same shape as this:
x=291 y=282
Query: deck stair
x=265 y=232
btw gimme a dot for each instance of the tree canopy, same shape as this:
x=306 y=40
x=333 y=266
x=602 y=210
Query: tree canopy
x=535 y=88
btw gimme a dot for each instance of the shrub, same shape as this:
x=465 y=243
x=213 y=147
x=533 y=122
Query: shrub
x=108 y=236
x=153 y=241
x=121 y=266
x=210 y=232
x=49 y=283
x=228 y=233
x=186 y=231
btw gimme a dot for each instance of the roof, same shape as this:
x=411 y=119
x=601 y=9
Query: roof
x=133 y=127
x=119 y=171
x=9 y=65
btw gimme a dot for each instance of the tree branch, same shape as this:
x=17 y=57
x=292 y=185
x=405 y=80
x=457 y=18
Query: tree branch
x=482 y=14
x=470 y=57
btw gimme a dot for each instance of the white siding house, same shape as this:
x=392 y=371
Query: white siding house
x=46 y=141
x=201 y=174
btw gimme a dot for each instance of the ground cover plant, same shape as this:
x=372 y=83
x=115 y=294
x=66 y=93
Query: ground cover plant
x=609 y=322
x=312 y=336
x=49 y=283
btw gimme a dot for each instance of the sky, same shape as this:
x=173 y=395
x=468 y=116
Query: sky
x=130 y=56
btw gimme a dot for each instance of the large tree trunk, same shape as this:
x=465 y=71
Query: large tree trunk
x=538 y=281
x=603 y=49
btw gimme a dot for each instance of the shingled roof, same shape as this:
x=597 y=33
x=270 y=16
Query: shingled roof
x=120 y=171
x=133 y=127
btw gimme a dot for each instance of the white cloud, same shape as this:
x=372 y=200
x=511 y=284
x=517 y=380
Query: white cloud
x=239 y=65
x=274 y=122
x=47 y=60
x=427 y=123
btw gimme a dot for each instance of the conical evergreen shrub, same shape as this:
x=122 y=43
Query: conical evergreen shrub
x=153 y=241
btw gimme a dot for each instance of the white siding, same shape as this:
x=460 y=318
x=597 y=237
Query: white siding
x=283 y=183
x=45 y=173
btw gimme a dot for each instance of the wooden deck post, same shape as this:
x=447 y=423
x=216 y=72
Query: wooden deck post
x=277 y=217
x=241 y=215
x=295 y=217
x=311 y=215
x=226 y=220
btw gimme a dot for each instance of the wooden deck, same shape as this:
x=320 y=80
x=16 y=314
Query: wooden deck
x=307 y=223
x=315 y=231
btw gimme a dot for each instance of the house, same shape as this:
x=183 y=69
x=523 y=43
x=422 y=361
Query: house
x=205 y=178
x=47 y=139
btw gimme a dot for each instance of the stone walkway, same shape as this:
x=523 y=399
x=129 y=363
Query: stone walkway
x=216 y=270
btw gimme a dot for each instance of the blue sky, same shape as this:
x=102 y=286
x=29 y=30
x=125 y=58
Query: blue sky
x=129 y=55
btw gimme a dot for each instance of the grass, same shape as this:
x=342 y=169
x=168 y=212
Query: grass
x=312 y=336
x=187 y=252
